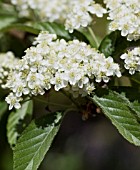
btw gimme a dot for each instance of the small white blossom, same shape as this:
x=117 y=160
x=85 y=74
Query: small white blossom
x=96 y=9
x=132 y=60
x=13 y=101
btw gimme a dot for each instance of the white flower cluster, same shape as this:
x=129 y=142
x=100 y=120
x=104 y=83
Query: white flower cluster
x=50 y=10
x=125 y=16
x=72 y=66
x=132 y=60
x=80 y=13
x=7 y=62
x=73 y=13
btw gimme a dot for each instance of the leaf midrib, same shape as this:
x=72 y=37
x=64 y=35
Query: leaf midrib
x=37 y=150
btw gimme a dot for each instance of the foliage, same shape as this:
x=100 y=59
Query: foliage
x=32 y=128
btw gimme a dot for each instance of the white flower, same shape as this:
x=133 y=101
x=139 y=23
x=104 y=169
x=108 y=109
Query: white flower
x=13 y=101
x=96 y=9
x=74 y=76
x=132 y=60
x=89 y=88
x=59 y=81
x=34 y=79
x=84 y=80
x=45 y=36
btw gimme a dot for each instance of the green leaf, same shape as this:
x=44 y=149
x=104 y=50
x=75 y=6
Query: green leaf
x=6 y=20
x=53 y=28
x=114 y=44
x=7 y=15
x=7 y=9
x=20 y=26
x=132 y=97
x=3 y=108
x=35 y=142
x=135 y=106
x=14 y=120
x=60 y=31
x=115 y=107
x=107 y=45
x=131 y=93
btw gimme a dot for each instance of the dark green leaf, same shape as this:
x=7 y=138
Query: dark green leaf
x=132 y=98
x=35 y=142
x=14 y=120
x=53 y=28
x=107 y=45
x=3 y=108
x=22 y=27
x=114 y=44
x=116 y=108
x=135 y=106
x=60 y=31
x=132 y=93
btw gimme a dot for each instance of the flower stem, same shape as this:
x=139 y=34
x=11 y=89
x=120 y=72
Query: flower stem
x=71 y=99
x=93 y=36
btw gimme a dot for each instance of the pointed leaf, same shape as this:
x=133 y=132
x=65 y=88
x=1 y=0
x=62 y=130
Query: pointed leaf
x=115 y=107
x=35 y=142
x=132 y=93
x=53 y=28
x=14 y=120
x=132 y=98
